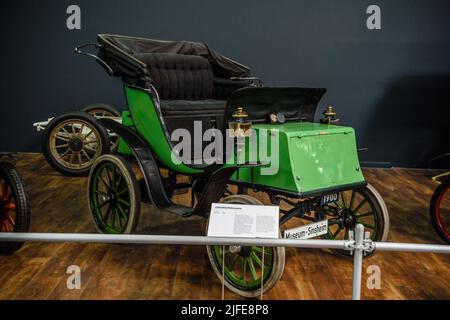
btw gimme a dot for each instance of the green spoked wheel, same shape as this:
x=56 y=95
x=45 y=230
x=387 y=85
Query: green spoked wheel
x=243 y=265
x=113 y=195
x=364 y=205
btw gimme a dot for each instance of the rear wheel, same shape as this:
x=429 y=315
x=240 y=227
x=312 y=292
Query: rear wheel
x=73 y=141
x=113 y=195
x=102 y=110
x=14 y=210
x=440 y=210
x=243 y=265
x=364 y=205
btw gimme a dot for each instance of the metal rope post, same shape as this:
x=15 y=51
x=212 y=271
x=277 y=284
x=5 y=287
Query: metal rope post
x=358 y=252
x=262 y=274
x=223 y=272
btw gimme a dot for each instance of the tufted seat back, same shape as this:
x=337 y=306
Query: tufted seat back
x=180 y=77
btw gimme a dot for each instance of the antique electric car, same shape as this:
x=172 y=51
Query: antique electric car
x=310 y=169
x=14 y=209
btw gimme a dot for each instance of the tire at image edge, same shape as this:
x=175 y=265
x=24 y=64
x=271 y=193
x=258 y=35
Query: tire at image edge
x=434 y=219
x=22 y=222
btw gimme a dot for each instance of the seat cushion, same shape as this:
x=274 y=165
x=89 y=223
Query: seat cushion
x=186 y=114
x=178 y=76
x=182 y=114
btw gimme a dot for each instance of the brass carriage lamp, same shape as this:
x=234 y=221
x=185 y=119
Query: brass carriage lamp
x=240 y=127
x=329 y=116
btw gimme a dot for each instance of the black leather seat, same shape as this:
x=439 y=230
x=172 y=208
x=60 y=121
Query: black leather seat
x=184 y=113
x=189 y=92
x=178 y=76
x=188 y=89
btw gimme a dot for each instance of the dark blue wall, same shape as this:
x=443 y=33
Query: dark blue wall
x=391 y=85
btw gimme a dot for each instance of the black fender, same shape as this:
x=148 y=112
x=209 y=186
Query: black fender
x=213 y=191
x=146 y=161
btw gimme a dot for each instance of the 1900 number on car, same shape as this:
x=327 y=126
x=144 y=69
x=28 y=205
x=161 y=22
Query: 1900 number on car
x=329 y=198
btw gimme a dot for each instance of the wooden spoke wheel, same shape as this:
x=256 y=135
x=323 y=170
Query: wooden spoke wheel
x=14 y=211
x=73 y=141
x=440 y=210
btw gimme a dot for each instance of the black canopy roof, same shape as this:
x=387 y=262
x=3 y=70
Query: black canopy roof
x=119 y=52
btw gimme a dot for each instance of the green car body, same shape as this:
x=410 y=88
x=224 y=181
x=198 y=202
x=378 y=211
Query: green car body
x=313 y=157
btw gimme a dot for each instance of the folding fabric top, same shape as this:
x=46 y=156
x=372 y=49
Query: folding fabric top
x=119 y=52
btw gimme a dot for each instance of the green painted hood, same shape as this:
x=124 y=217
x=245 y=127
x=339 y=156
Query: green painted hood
x=313 y=158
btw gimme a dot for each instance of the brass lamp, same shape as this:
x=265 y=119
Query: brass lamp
x=240 y=128
x=329 y=116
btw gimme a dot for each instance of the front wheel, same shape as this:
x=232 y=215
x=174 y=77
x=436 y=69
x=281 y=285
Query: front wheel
x=14 y=210
x=243 y=265
x=364 y=205
x=440 y=210
x=113 y=195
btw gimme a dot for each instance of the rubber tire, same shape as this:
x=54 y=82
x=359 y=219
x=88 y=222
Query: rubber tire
x=22 y=223
x=378 y=201
x=441 y=188
x=104 y=137
x=133 y=187
x=102 y=106
x=279 y=255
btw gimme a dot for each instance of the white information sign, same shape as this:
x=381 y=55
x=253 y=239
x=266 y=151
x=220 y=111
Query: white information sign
x=307 y=231
x=243 y=221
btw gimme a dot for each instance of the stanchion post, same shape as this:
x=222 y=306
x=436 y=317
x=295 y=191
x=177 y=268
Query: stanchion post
x=358 y=252
x=223 y=272
x=262 y=274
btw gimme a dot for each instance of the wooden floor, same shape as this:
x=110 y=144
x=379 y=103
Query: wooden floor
x=58 y=204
